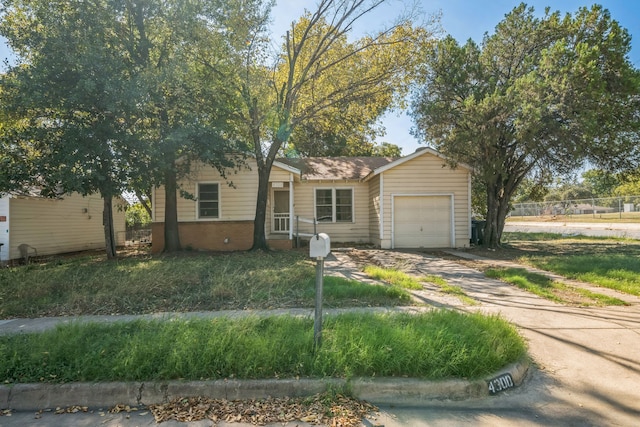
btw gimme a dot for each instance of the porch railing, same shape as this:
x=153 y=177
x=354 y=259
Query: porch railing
x=304 y=230
x=281 y=222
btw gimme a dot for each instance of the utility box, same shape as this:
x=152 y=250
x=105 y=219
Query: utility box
x=319 y=246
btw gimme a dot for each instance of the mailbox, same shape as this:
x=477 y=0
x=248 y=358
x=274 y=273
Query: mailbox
x=319 y=246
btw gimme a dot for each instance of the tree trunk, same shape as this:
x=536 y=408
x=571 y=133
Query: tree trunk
x=498 y=197
x=146 y=203
x=107 y=222
x=171 y=232
x=259 y=234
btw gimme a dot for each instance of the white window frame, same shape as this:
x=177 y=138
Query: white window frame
x=333 y=204
x=208 y=218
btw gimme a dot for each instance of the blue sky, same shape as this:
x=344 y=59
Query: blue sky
x=463 y=19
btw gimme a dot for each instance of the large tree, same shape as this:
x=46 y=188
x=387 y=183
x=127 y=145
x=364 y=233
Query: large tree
x=540 y=95
x=182 y=54
x=65 y=102
x=111 y=94
x=322 y=79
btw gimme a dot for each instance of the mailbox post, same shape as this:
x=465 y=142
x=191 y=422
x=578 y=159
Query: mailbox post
x=319 y=248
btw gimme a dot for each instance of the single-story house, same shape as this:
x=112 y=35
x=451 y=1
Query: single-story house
x=30 y=223
x=416 y=201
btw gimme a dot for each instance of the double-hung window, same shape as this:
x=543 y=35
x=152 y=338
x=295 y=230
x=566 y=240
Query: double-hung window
x=208 y=201
x=334 y=204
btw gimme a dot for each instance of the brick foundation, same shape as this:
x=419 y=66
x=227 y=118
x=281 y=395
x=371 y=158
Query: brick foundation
x=214 y=236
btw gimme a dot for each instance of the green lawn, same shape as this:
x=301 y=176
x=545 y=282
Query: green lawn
x=607 y=262
x=615 y=271
x=185 y=282
x=434 y=345
x=545 y=287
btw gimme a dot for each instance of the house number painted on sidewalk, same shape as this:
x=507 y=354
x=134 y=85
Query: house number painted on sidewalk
x=501 y=383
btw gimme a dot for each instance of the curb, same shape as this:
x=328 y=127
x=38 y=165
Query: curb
x=379 y=391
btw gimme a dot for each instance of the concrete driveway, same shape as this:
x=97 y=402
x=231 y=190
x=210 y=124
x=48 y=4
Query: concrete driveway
x=587 y=360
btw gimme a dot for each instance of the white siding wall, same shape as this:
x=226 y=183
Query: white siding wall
x=426 y=174
x=4 y=228
x=54 y=226
x=356 y=231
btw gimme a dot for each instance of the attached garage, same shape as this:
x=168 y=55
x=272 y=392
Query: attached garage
x=420 y=201
x=422 y=221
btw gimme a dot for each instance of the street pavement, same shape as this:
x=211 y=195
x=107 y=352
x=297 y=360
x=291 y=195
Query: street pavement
x=602 y=229
x=586 y=360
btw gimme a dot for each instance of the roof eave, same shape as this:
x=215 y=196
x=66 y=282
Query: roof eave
x=411 y=156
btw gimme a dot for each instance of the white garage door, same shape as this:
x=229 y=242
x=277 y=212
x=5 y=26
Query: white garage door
x=422 y=221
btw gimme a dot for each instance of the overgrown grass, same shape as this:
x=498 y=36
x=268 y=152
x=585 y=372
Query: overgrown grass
x=447 y=288
x=609 y=262
x=435 y=345
x=187 y=282
x=545 y=287
x=615 y=271
x=393 y=277
x=338 y=291
x=401 y=279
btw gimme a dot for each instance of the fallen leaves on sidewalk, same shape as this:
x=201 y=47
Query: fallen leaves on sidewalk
x=331 y=410
x=71 y=409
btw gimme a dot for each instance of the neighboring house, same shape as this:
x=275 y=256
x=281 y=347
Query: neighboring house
x=50 y=226
x=416 y=201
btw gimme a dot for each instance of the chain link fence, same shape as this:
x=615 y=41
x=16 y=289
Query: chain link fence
x=609 y=208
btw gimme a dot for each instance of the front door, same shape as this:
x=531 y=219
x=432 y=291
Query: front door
x=281 y=211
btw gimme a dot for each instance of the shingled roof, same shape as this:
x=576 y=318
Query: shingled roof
x=337 y=168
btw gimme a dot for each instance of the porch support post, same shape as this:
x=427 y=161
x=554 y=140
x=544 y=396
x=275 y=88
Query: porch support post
x=291 y=206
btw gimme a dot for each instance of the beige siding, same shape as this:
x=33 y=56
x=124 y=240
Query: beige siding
x=237 y=202
x=4 y=228
x=374 y=210
x=55 y=226
x=427 y=175
x=356 y=231
x=278 y=174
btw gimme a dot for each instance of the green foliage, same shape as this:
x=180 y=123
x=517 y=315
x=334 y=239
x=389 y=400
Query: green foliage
x=532 y=190
x=137 y=216
x=569 y=191
x=539 y=96
x=434 y=345
x=386 y=149
x=107 y=95
x=601 y=183
x=628 y=184
x=67 y=98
